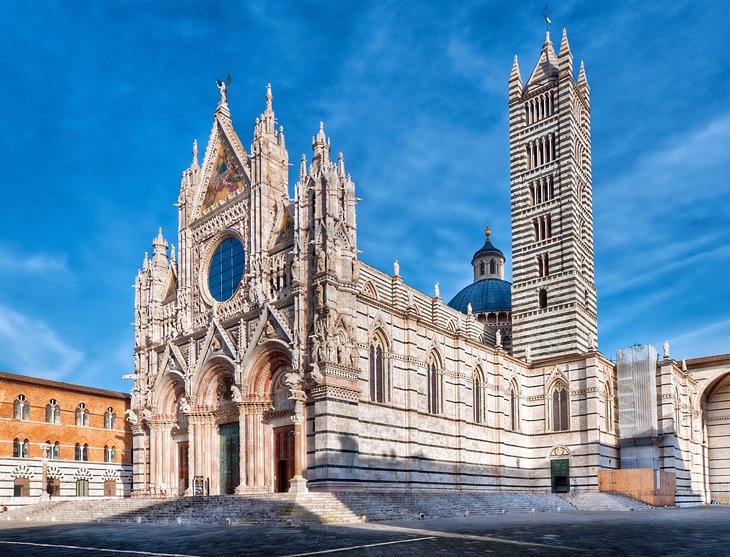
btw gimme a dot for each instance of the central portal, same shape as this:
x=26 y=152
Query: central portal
x=229 y=464
x=283 y=457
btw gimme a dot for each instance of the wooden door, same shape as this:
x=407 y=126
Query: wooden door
x=283 y=457
x=182 y=467
x=110 y=488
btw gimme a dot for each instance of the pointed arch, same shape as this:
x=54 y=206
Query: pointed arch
x=479 y=398
x=559 y=406
x=379 y=367
x=608 y=403
x=210 y=383
x=434 y=382
x=369 y=290
x=514 y=406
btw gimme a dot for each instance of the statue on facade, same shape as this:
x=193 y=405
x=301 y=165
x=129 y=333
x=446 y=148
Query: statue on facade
x=665 y=347
x=528 y=354
x=498 y=338
x=132 y=417
x=184 y=405
x=236 y=395
x=396 y=268
x=436 y=291
x=592 y=341
x=468 y=309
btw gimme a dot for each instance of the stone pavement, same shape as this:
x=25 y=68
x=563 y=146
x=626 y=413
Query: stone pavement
x=694 y=531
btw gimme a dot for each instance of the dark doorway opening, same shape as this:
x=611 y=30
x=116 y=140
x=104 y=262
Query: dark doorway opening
x=53 y=486
x=283 y=457
x=182 y=467
x=560 y=476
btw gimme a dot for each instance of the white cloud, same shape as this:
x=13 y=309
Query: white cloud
x=31 y=347
x=13 y=261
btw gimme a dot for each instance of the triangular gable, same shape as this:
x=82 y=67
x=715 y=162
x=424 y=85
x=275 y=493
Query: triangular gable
x=283 y=233
x=226 y=348
x=225 y=168
x=268 y=315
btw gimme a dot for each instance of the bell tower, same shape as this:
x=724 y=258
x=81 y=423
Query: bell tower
x=553 y=292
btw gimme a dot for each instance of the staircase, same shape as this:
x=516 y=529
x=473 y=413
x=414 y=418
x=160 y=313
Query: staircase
x=283 y=510
x=595 y=501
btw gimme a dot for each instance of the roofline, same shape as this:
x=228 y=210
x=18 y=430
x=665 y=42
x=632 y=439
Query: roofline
x=719 y=358
x=15 y=377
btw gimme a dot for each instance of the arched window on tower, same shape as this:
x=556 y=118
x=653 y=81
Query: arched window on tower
x=492 y=266
x=434 y=389
x=482 y=268
x=560 y=414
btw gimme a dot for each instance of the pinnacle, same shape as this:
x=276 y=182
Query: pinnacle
x=269 y=98
x=564 y=46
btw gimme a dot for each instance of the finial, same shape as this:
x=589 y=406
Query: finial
x=146 y=262
x=172 y=253
x=303 y=168
x=548 y=23
x=487 y=232
x=282 y=141
x=269 y=97
x=684 y=364
x=341 y=165
x=195 y=152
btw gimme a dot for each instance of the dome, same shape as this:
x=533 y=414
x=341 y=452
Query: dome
x=485 y=295
x=487 y=249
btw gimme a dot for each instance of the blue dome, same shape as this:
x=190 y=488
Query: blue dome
x=484 y=295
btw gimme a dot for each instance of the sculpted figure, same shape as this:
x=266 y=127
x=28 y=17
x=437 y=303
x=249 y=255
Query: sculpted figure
x=132 y=416
x=396 y=268
x=236 y=394
x=528 y=354
x=293 y=380
x=665 y=346
x=436 y=291
x=184 y=405
x=498 y=338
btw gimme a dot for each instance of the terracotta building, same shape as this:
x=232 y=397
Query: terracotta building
x=63 y=439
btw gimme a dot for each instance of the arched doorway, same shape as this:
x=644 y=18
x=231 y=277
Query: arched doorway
x=716 y=406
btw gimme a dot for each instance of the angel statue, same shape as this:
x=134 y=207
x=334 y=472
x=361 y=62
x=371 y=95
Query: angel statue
x=223 y=87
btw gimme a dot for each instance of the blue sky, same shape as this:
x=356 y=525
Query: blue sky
x=101 y=102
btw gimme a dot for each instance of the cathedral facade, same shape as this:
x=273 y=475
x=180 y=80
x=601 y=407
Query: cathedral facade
x=270 y=358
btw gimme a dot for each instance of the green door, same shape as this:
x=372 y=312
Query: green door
x=560 y=475
x=229 y=468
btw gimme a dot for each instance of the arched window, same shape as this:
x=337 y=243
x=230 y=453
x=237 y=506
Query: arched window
x=16 y=448
x=77 y=451
x=482 y=268
x=514 y=409
x=53 y=412
x=434 y=385
x=109 y=453
x=110 y=419
x=492 y=267
x=542 y=298
x=378 y=376
x=21 y=408
x=52 y=450
x=82 y=415
x=561 y=417
x=479 y=397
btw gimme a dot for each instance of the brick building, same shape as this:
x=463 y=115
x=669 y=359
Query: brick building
x=69 y=440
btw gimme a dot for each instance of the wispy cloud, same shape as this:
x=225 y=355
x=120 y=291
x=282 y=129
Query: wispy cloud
x=15 y=261
x=29 y=346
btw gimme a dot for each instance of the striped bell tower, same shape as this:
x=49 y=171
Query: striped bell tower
x=553 y=290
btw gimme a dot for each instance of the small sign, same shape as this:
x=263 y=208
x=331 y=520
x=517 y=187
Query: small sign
x=199 y=485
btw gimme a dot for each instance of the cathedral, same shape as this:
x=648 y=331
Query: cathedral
x=270 y=358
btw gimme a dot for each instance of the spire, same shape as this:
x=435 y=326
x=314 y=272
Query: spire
x=341 y=165
x=565 y=57
x=515 y=80
x=146 y=261
x=583 y=84
x=321 y=146
x=303 y=168
x=546 y=69
x=195 y=155
x=269 y=98
x=282 y=141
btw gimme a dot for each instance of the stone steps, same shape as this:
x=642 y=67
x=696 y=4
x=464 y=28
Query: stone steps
x=282 y=509
x=594 y=501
